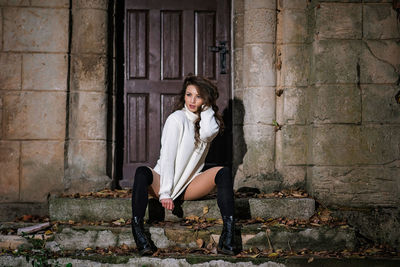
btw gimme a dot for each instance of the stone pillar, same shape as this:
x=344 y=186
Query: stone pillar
x=259 y=81
x=87 y=125
x=293 y=68
x=33 y=86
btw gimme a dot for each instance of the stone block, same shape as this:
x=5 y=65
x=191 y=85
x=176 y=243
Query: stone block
x=256 y=4
x=292 y=4
x=1 y=117
x=293 y=176
x=327 y=98
x=42 y=168
x=35 y=29
x=380 y=62
x=238 y=30
x=50 y=3
x=1 y=29
x=88 y=115
x=292 y=145
x=86 y=159
x=44 y=72
x=34 y=115
x=238 y=6
x=354 y=186
x=89 y=72
x=259 y=103
x=292 y=26
x=295 y=65
x=293 y=106
x=291 y=208
x=260 y=141
x=238 y=69
x=259 y=26
x=10 y=211
x=9 y=169
x=95 y=4
x=339 y=21
x=336 y=61
x=14 y=3
x=350 y=144
x=90 y=31
x=238 y=110
x=10 y=75
x=379 y=104
x=259 y=65
x=380 y=21
x=12 y=242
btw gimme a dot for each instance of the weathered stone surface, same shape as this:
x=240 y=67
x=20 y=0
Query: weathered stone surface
x=1 y=117
x=292 y=106
x=292 y=145
x=292 y=26
x=259 y=158
x=99 y=4
x=9 y=169
x=238 y=70
x=355 y=186
x=327 y=98
x=87 y=159
x=12 y=242
x=34 y=115
x=44 y=72
x=379 y=104
x=259 y=65
x=10 y=75
x=90 y=36
x=255 y=4
x=89 y=73
x=380 y=21
x=292 y=176
x=10 y=211
x=35 y=29
x=238 y=29
x=50 y=3
x=259 y=26
x=292 y=4
x=295 y=68
x=339 y=21
x=42 y=167
x=336 y=61
x=260 y=105
x=14 y=2
x=379 y=62
x=64 y=209
x=238 y=6
x=1 y=29
x=350 y=144
x=88 y=115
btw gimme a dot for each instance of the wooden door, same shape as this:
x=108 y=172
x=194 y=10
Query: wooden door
x=164 y=41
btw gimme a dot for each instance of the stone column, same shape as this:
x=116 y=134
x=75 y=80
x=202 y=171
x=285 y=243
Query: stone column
x=293 y=68
x=87 y=125
x=259 y=81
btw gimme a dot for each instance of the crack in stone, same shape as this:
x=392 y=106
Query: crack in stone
x=380 y=59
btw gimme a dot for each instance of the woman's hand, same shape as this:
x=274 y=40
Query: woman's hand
x=167 y=203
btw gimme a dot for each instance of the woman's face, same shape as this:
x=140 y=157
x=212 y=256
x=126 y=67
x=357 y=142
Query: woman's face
x=192 y=98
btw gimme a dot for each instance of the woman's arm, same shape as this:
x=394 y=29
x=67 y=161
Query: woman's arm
x=169 y=146
x=208 y=125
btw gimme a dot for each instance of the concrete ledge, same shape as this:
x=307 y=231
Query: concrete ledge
x=102 y=209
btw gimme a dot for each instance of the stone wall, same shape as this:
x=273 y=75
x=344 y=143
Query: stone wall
x=327 y=76
x=33 y=95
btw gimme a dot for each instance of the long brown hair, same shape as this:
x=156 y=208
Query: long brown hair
x=209 y=92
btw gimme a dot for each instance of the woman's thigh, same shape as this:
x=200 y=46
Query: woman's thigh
x=201 y=185
x=154 y=188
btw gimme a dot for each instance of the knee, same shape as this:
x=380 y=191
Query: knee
x=144 y=174
x=224 y=174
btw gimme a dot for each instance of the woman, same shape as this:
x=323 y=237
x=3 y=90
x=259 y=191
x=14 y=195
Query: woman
x=185 y=141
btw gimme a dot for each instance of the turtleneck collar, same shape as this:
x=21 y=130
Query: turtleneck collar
x=191 y=116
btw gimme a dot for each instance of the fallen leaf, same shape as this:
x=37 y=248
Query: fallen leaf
x=48 y=232
x=200 y=242
x=310 y=260
x=205 y=210
x=88 y=249
x=273 y=255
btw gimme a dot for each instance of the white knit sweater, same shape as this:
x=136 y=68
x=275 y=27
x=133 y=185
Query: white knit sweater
x=180 y=161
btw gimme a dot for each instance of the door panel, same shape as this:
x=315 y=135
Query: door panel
x=164 y=41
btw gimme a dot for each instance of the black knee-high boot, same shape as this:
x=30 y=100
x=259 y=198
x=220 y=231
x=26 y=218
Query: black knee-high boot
x=226 y=202
x=143 y=178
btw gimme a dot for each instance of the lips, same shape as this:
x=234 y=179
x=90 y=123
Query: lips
x=192 y=106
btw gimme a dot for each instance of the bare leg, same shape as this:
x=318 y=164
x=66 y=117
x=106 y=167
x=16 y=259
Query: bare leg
x=154 y=188
x=201 y=185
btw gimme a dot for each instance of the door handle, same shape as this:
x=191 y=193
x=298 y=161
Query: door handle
x=222 y=49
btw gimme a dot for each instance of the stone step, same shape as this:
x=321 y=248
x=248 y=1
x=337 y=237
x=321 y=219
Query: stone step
x=175 y=235
x=104 y=209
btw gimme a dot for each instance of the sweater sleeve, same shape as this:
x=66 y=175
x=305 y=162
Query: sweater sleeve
x=169 y=146
x=208 y=125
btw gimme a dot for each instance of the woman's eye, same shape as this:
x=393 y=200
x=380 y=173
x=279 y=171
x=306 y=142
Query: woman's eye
x=188 y=94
